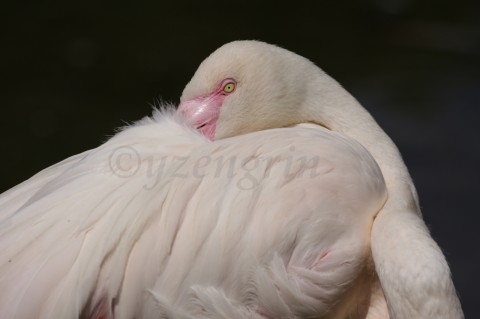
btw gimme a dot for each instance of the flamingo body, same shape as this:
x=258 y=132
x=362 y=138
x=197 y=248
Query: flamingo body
x=110 y=250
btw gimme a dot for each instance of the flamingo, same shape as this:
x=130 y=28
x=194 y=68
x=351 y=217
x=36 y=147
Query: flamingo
x=269 y=193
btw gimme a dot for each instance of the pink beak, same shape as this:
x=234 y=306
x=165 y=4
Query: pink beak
x=203 y=113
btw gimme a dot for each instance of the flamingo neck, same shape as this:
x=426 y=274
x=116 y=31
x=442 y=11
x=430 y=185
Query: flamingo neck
x=402 y=248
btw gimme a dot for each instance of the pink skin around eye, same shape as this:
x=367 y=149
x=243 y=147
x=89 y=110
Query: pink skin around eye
x=203 y=112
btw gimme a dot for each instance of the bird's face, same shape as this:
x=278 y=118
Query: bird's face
x=203 y=110
x=247 y=86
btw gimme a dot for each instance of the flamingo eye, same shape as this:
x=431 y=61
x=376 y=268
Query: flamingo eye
x=229 y=87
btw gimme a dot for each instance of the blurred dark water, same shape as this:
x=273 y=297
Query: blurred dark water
x=72 y=73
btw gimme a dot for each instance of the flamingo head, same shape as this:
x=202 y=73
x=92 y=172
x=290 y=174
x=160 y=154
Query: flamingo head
x=247 y=86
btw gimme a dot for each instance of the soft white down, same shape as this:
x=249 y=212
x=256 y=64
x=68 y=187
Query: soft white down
x=291 y=203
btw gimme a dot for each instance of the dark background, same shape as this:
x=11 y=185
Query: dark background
x=70 y=74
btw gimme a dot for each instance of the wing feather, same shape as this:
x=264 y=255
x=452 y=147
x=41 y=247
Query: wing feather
x=159 y=208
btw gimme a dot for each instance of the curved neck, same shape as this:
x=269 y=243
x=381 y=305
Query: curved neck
x=402 y=248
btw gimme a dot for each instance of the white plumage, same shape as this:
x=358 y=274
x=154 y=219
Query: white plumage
x=263 y=222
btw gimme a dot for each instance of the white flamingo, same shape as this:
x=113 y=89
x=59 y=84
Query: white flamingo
x=295 y=205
